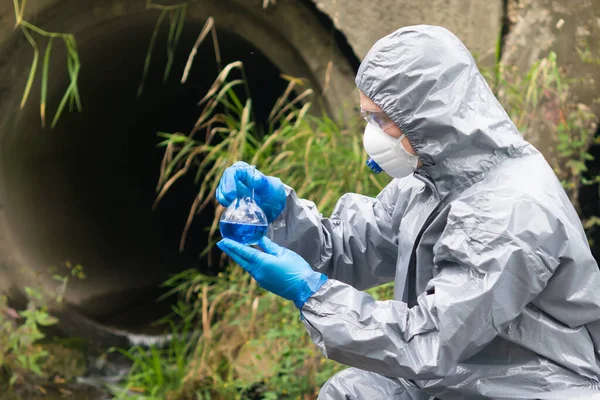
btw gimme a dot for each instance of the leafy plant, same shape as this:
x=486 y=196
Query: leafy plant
x=20 y=341
x=24 y=349
x=74 y=272
x=71 y=95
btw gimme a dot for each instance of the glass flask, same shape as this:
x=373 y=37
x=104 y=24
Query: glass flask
x=243 y=221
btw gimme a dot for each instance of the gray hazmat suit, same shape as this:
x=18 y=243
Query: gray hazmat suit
x=497 y=295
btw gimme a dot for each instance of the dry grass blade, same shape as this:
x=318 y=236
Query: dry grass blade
x=266 y=3
x=211 y=234
x=307 y=157
x=290 y=117
x=299 y=135
x=300 y=117
x=162 y=7
x=205 y=319
x=179 y=174
x=326 y=199
x=298 y=81
x=244 y=125
x=374 y=181
x=212 y=103
x=281 y=156
x=212 y=173
x=205 y=186
x=188 y=223
x=307 y=175
x=214 y=153
x=225 y=90
x=206 y=199
x=327 y=76
x=180 y=154
x=255 y=304
x=168 y=185
x=218 y=212
x=204 y=115
x=166 y=160
x=212 y=132
x=281 y=100
x=208 y=26
x=218 y=299
x=303 y=95
x=216 y=46
x=220 y=80
x=201 y=124
x=272 y=138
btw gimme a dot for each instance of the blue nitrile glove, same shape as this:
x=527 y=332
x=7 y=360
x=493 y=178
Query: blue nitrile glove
x=278 y=270
x=237 y=181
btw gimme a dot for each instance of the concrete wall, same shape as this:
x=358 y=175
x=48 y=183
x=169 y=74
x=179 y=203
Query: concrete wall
x=476 y=22
x=562 y=26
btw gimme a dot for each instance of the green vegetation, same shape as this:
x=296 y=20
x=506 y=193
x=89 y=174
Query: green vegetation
x=232 y=339
x=18 y=342
x=247 y=340
x=27 y=355
x=176 y=14
x=71 y=95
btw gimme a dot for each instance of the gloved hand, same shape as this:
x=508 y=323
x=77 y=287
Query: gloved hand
x=238 y=180
x=278 y=270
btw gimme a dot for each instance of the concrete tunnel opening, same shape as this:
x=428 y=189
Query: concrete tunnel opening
x=83 y=192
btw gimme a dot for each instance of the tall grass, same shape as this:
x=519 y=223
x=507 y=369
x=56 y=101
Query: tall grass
x=315 y=155
x=250 y=341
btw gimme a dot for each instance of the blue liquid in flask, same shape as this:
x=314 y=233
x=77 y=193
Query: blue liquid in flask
x=243 y=221
x=243 y=233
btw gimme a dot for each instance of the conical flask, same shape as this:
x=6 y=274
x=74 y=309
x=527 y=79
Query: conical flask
x=243 y=221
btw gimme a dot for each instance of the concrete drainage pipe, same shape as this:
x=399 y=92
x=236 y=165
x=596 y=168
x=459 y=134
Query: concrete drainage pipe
x=83 y=191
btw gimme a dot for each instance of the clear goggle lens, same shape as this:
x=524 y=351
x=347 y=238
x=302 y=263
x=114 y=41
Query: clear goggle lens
x=377 y=118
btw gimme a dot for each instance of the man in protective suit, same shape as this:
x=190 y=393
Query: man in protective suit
x=497 y=295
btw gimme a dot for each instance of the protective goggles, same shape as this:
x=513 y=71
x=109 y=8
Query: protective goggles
x=377 y=118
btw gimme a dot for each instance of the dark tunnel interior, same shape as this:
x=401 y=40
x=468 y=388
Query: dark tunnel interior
x=84 y=190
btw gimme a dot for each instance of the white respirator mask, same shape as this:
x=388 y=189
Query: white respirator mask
x=387 y=153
